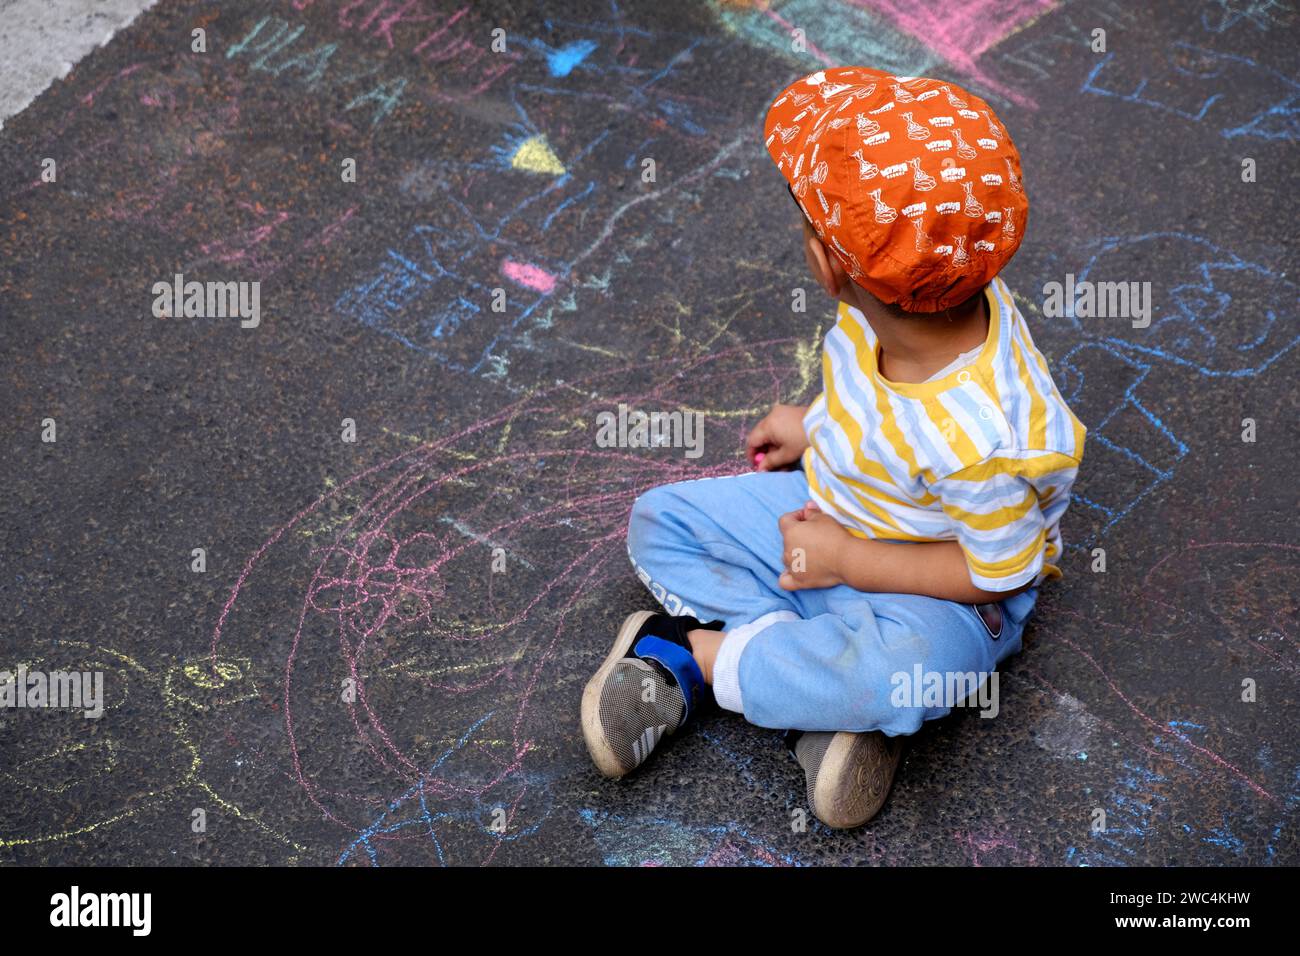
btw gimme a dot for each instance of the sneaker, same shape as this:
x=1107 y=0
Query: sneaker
x=648 y=687
x=849 y=775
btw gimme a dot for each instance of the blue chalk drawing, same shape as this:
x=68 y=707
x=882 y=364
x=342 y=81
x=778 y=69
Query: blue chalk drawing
x=1258 y=13
x=1136 y=804
x=1278 y=120
x=561 y=61
x=411 y=811
x=1292 y=804
x=652 y=841
x=1194 y=326
x=431 y=291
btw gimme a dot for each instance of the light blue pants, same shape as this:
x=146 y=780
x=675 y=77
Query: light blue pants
x=824 y=659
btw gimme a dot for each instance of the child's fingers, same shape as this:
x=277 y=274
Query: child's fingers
x=775 y=456
x=788 y=582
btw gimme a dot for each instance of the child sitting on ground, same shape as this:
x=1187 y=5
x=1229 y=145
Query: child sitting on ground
x=934 y=466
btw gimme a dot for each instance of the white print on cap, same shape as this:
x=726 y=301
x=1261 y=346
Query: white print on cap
x=940 y=120
x=952 y=174
x=877 y=139
x=953 y=100
x=993 y=216
x=993 y=127
x=964 y=149
x=988 y=179
x=983 y=245
x=939 y=145
x=913 y=210
x=817 y=79
x=923 y=240
x=893 y=172
x=882 y=109
x=987 y=143
x=921 y=181
x=866 y=170
x=866 y=127
x=885 y=213
x=968 y=114
x=959 y=255
x=914 y=129
x=943 y=250
x=927 y=95
x=944 y=208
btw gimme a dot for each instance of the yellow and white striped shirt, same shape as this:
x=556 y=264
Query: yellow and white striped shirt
x=984 y=455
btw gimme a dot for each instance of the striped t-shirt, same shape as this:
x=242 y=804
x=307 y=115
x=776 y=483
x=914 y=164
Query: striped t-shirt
x=984 y=455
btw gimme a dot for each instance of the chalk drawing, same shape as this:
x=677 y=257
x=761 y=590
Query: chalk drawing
x=457 y=41
x=431 y=293
x=648 y=841
x=1222 y=15
x=535 y=155
x=387 y=590
x=168 y=770
x=1033 y=58
x=1194 y=90
x=1205 y=322
x=271 y=37
x=913 y=38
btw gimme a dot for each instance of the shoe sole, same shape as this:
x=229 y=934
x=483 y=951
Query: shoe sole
x=855 y=777
x=602 y=754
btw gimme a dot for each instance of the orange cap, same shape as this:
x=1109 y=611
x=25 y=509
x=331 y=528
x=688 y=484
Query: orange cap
x=912 y=183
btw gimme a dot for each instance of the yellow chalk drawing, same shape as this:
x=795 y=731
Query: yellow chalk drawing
x=27 y=774
x=406 y=668
x=535 y=155
x=808 y=356
x=216 y=680
x=104 y=755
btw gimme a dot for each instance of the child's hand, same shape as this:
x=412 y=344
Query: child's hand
x=779 y=439
x=812 y=545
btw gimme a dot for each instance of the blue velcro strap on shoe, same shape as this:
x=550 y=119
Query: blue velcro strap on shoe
x=678 y=662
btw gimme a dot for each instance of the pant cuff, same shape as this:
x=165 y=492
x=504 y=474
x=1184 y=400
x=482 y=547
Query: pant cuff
x=726 y=668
